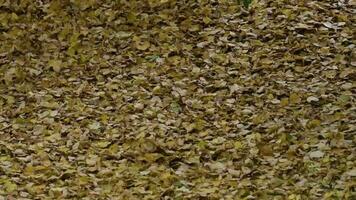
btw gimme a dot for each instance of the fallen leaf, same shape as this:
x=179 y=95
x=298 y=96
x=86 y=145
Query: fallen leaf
x=316 y=154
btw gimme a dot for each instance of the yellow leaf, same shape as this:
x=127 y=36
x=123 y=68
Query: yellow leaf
x=142 y=45
x=313 y=123
x=167 y=178
x=294 y=98
x=92 y=160
x=32 y=170
x=206 y=20
x=260 y=118
x=102 y=144
x=9 y=99
x=131 y=17
x=151 y=157
x=56 y=65
x=113 y=149
x=284 y=102
x=238 y=145
x=83 y=180
x=35 y=189
x=10 y=186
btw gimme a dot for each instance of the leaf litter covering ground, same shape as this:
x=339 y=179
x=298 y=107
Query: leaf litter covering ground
x=177 y=99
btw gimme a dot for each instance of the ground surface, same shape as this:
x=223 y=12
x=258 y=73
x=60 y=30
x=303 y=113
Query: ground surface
x=177 y=99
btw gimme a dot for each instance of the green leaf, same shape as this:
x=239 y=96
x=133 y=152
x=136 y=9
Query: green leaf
x=246 y=3
x=175 y=107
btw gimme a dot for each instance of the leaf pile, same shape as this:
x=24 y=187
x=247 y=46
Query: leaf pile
x=167 y=99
